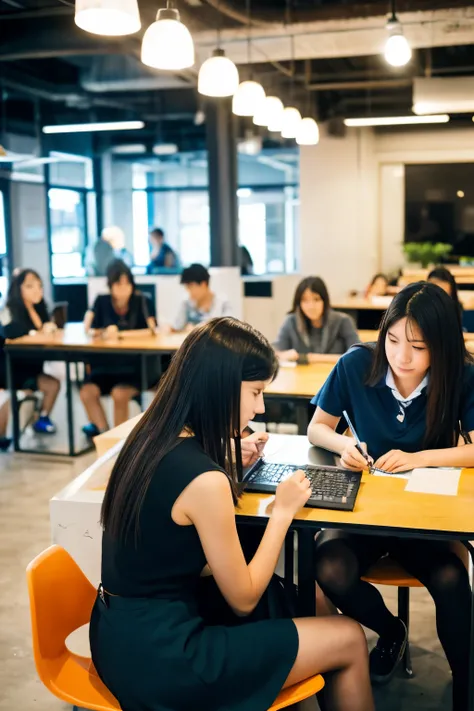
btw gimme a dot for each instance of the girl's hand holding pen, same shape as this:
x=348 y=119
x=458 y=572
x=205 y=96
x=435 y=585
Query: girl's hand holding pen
x=351 y=457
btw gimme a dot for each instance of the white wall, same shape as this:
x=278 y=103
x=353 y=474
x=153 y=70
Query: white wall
x=338 y=182
x=352 y=199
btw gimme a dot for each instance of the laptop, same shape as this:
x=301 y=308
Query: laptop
x=332 y=487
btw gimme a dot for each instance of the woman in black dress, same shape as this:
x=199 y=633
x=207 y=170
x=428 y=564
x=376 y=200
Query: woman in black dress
x=123 y=309
x=168 y=516
x=26 y=311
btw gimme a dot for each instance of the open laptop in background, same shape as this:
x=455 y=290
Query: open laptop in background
x=332 y=487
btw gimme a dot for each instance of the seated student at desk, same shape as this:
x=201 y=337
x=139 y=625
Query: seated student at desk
x=165 y=632
x=203 y=304
x=26 y=311
x=312 y=327
x=123 y=309
x=409 y=398
x=443 y=278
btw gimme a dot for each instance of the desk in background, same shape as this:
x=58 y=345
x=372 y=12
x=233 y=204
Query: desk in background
x=73 y=345
x=382 y=507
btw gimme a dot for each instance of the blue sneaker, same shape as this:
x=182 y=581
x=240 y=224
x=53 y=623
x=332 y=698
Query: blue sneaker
x=43 y=425
x=91 y=430
x=5 y=443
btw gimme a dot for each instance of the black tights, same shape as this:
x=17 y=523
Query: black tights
x=341 y=560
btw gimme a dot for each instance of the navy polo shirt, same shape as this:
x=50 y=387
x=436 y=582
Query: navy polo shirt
x=373 y=409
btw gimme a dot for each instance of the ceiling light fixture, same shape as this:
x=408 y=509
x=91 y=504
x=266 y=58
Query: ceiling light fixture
x=92 y=127
x=218 y=75
x=167 y=43
x=397 y=50
x=307 y=133
x=108 y=17
x=250 y=94
x=395 y=120
x=269 y=113
x=290 y=121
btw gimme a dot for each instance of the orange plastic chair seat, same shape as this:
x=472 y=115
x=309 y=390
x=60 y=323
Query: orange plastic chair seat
x=61 y=600
x=299 y=692
x=388 y=572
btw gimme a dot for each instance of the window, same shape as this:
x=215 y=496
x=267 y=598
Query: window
x=268 y=228
x=68 y=231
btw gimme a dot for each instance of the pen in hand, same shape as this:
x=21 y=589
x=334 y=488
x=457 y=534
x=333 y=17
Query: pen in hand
x=358 y=444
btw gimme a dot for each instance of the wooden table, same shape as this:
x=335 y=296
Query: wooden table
x=73 y=345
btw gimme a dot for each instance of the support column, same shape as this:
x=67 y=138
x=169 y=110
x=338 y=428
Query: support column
x=222 y=169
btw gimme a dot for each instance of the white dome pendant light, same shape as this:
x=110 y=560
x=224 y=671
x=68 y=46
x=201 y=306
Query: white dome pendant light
x=111 y=18
x=307 y=133
x=250 y=94
x=270 y=113
x=397 y=50
x=218 y=76
x=291 y=117
x=167 y=43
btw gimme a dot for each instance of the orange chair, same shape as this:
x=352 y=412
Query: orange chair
x=61 y=601
x=388 y=572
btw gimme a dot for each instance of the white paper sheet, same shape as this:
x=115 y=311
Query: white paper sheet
x=401 y=475
x=434 y=481
x=288 y=363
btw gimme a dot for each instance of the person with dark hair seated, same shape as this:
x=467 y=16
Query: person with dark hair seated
x=26 y=311
x=162 y=256
x=443 y=278
x=123 y=309
x=312 y=328
x=202 y=304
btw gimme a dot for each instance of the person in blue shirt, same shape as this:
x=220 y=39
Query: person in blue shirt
x=162 y=256
x=411 y=400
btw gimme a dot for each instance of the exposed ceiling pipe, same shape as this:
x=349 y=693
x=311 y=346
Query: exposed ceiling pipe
x=226 y=8
x=357 y=85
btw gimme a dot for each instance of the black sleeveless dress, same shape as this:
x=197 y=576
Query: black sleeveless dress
x=151 y=644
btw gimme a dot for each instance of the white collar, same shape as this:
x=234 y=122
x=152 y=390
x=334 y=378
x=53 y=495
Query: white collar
x=390 y=383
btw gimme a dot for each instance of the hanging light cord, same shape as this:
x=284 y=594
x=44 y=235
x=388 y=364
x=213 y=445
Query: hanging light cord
x=394 y=17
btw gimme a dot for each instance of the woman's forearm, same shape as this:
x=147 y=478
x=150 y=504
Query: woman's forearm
x=453 y=457
x=323 y=436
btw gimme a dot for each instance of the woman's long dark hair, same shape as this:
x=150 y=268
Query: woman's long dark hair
x=15 y=303
x=436 y=315
x=317 y=286
x=200 y=392
x=443 y=274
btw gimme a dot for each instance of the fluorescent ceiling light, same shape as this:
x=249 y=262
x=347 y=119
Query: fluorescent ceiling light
x=395 y=120
x=90 y=127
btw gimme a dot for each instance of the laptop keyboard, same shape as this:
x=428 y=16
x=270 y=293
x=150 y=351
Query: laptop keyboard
x=331 y=487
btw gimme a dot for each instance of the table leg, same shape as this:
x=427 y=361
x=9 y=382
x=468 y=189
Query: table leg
x=70 y=411
x=470 y=548
x=302 y=416
x=13 y=402
x=306 y=584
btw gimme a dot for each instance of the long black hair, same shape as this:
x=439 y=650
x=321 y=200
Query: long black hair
x=15 y=303
x=444 y=275
x=200 y=393
x=317 y=286
x=436 y=315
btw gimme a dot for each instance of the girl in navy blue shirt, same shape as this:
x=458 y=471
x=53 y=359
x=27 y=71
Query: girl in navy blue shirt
x=411 y=400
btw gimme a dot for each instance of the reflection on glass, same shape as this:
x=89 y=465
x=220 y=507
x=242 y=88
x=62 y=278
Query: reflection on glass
x=68 y=239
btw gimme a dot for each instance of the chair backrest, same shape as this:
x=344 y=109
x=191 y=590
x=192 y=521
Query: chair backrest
x=61 y=601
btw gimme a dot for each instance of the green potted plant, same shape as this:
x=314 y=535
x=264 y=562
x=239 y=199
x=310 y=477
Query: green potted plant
x=426 y=253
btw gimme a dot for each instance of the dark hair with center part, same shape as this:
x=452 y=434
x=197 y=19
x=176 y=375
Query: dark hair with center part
x=200 y=394
x=429 y=308
x=116 y=270
x=317 y=286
